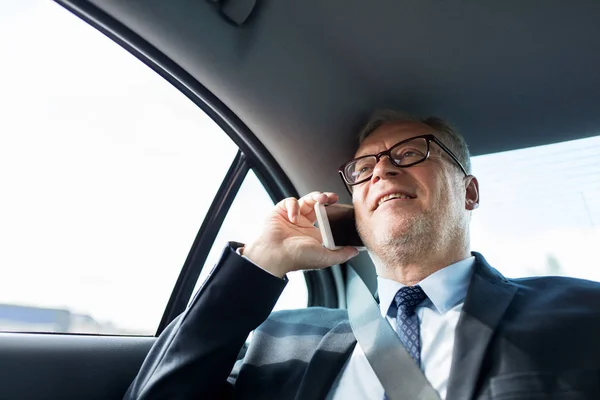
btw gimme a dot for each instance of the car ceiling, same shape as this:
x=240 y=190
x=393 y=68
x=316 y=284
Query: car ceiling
x=304 y=75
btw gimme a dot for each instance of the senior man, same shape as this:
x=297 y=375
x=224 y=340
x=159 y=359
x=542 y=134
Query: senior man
x=478 y=334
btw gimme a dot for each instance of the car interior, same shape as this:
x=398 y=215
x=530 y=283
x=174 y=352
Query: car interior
x=291 y=83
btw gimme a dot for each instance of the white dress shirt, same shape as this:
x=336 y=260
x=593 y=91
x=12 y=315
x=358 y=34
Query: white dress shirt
x=438 y=316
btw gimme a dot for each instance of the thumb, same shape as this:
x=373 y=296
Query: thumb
x=341 y=255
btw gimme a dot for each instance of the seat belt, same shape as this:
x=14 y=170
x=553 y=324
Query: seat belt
x=398 y=373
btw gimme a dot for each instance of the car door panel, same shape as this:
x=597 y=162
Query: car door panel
x=56 y=366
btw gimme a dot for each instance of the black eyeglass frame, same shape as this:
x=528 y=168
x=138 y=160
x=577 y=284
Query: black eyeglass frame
x=429 y=138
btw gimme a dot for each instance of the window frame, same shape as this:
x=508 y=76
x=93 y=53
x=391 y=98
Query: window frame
x=196 y=258
x=321 y=285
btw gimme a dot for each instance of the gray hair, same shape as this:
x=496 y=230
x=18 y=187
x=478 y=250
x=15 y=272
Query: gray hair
x=448 y=135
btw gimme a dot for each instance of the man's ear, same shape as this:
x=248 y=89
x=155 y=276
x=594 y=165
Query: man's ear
x=471 y=193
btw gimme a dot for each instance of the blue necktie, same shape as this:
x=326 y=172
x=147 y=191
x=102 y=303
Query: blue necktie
x=407 y=323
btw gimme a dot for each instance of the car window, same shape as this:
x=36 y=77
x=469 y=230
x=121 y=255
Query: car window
x=107 y=173
x=540 y=210
x=243 y=224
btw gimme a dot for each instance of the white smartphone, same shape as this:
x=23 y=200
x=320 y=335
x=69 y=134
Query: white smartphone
x=338 y=226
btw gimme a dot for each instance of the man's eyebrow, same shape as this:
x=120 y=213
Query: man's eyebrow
x=363 y=152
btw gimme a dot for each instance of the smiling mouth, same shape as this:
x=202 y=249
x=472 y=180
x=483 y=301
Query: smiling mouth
x=393 y=196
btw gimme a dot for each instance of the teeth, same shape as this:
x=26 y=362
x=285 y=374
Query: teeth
x=392 y=196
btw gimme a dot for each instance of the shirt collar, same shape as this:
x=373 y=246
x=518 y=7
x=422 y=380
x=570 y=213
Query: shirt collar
x=444 y=288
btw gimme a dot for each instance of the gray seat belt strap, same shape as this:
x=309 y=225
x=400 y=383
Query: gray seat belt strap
x=398 y=373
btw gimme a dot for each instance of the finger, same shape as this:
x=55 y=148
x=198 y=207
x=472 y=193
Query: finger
x=307 y=206
x=325 y=197
x=307 y=203
x=293 y=208
x=333 y=257
x=331 y=197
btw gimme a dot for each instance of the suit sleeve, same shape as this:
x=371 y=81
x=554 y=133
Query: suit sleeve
x=194 y=356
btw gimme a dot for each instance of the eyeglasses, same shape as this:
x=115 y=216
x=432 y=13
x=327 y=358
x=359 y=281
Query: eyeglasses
x=404 y=154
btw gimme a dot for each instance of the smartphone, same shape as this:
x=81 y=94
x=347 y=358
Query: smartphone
x=338 y=226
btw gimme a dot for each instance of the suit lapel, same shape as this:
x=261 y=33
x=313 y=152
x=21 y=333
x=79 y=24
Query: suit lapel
x=324 y=367
x=487 y=299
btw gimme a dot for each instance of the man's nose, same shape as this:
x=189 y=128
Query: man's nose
x=383 y=169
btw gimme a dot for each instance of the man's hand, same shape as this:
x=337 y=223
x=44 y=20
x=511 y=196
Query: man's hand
x=289 y=240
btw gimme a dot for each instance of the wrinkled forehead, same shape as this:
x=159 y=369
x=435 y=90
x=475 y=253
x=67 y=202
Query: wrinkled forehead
x=391 y=133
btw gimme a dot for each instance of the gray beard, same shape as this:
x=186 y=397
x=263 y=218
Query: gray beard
x=425 y=235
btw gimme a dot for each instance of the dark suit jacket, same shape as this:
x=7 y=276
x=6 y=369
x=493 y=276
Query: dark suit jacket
x=535 y=338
